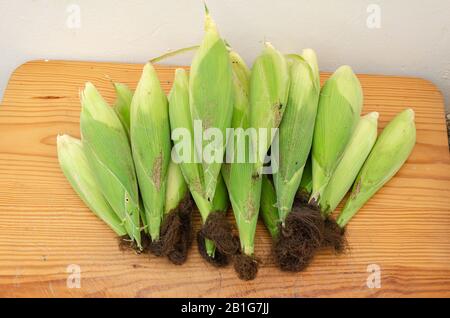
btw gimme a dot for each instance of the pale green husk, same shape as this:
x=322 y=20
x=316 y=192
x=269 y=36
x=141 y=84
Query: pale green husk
x=269 y=211
x=176 y=187
x=305 y=188
x=107 y=148
x=269 y=88
x=297 y=128
x=151 y=145
x=244 y=189
x=392 y=148
x=122 y=105
x=180 y=118
x=75 y=166
x=354 y=156
x=338 y=113
x=211 y=99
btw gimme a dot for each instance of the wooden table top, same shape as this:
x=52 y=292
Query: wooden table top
x=46 y=231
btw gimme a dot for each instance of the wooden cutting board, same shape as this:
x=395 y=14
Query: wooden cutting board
x=48 y=236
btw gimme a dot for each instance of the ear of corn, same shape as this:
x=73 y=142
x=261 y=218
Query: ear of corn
x=108 y=151
x=338 y=113
x=180 y=119
x=392 y=148
x=124 y=95
x=150 y=141
x=296 y=128
x=176 y=187
x=211 y=99
x=75 y=166
x=269 y=211
x=269 y=88
x=354 y=156
x=243 y=187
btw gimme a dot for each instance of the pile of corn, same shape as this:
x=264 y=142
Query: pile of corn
x=124 y=167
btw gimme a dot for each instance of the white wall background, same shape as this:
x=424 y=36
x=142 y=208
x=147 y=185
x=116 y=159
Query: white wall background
x=413 y=38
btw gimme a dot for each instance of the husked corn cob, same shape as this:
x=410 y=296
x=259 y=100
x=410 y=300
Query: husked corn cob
x=107 y=149
x=211 y=100
x=122 y=106
x=338 y=113
x=392 y=148
x=75 y=166
x=354 y=156
x=296 y=128
x=151 y=145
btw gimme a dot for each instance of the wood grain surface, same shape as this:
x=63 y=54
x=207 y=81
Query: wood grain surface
x=45 y=227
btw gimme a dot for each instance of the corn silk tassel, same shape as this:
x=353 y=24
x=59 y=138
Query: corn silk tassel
x=391 y=150
x=108 y=151
x=151 y=145
x=338 y=113
x=184 y=153
x=75 y=166
x=244 y=190
x=355 y=154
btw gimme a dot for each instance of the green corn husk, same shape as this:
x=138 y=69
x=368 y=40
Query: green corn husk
x=176 y=187
x=269 y=88
x=211 y=99
x=122 y=106
x=75 y=166
x=109 y=154
x=241 y=86
x=180 y=118
x=220 y=203
x=296 y=128
x=392 y=148
x=269 y=211
x=354 y=156
x=338 y=113
x=244 y=189
x=151 y=145
x=305 y=188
